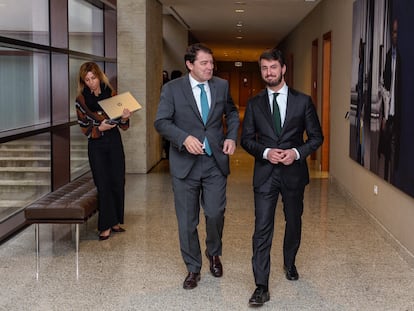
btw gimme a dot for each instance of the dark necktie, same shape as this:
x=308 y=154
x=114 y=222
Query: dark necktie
x=204 y=114
x=276 y=114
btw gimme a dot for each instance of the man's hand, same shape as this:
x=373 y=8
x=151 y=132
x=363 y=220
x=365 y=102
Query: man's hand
x=285 y=157
x=193 y=145
x=229 y=146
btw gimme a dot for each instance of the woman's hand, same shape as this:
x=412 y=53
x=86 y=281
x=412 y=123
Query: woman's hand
x=106 y=125
x=125 y=115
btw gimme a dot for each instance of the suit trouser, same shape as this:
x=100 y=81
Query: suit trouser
x=204 y=185
x=265 y=198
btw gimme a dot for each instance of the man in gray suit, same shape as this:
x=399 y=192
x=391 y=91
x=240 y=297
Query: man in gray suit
x=273 y=132
x=190 y=115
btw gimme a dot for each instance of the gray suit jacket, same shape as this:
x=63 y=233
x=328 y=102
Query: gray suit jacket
x=259 y=133
x=179 y=117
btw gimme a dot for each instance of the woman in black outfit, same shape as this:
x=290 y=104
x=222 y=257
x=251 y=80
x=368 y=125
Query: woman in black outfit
x=105 y=149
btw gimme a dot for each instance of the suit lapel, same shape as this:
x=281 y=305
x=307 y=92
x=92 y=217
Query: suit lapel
x=289 y=106
x=213 y=94
x=264 y=106
x=188 y=93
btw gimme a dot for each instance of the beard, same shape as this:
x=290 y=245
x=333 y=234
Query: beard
x=272 y=83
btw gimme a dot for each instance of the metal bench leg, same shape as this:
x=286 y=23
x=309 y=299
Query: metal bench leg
x=77 y=250
x=37 y=249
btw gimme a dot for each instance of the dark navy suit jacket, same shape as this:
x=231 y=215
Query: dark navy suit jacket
x=259 y=133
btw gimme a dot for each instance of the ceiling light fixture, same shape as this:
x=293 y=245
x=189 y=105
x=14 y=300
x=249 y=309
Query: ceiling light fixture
x=239 y=24
x=239 y=10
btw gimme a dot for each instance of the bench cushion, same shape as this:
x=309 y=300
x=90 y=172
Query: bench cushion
x=71 y=203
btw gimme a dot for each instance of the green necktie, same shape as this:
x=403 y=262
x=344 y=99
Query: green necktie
x=276 y=114
x=204 y=114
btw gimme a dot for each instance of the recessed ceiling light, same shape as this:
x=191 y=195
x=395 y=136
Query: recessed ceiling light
x=239 y=10
x=240 y=3
x=239 y=24
x=239 y=37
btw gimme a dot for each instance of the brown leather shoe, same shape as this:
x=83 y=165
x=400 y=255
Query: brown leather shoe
x=216 y=268
x=191 y=280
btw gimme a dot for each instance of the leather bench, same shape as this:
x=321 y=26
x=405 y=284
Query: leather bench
x=72 y=203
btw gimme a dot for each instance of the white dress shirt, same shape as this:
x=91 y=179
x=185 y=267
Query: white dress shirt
x=196 y=91
x=281 y=100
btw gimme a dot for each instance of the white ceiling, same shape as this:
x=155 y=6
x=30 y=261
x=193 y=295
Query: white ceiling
x=213 y=22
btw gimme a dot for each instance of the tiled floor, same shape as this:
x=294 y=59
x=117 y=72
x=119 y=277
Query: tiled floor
x=344 y=262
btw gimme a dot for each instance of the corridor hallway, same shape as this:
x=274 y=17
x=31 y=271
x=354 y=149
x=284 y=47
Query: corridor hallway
x=344 y=262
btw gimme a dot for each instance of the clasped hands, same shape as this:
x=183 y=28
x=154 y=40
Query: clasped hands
x=286 y=157
x=194 y=146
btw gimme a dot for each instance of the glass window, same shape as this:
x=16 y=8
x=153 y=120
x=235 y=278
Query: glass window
x=79 y=163
x=24 y=88
x=74 y=65
x=24 y=172
x=41 y=43
x=26 y=20
x=86 y=27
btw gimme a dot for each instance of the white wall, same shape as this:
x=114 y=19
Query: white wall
x=175 y=42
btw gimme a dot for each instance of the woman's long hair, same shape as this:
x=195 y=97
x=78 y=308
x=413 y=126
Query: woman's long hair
x=96 y=70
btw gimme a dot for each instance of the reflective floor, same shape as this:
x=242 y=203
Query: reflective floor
x=345 y=263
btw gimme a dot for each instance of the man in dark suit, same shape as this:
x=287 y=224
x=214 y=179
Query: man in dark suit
x=273 y=132
x=389 y=141
x=190 y=115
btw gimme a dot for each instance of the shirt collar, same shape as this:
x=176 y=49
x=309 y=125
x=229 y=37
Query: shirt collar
x=194 y=82
x=283 y=90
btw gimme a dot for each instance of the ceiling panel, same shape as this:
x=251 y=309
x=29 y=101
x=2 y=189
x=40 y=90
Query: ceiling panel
x=214 y=22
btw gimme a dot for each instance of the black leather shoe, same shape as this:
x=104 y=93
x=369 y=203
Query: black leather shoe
x=291 y=273
x=259 y=297
x=191 y=280
x=216 y=268
x=118 y=229
x=103 y=237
